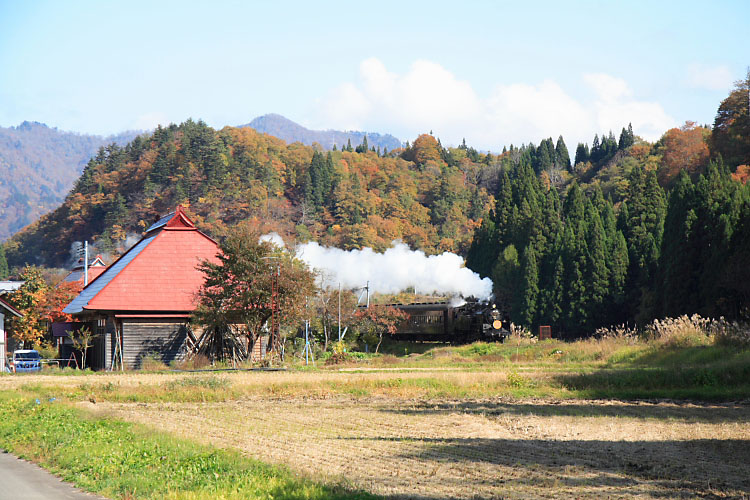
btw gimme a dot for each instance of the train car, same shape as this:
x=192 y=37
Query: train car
x=462 y=323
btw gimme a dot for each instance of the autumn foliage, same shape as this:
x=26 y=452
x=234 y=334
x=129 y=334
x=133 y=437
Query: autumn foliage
x=685 y=148
x=40 y=303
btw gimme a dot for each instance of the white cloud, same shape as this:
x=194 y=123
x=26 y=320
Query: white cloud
x=706 y=77
x=149 y=121
x=429 y=97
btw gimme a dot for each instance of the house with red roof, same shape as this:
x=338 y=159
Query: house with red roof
x=141 y=304
x=95 y=268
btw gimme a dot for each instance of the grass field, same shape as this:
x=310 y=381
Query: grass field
x=593 y=419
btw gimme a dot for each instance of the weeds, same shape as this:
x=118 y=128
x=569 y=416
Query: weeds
x=122 y=460
x=212 y=383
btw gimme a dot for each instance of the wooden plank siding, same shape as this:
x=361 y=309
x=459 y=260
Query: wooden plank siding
x=146 y=337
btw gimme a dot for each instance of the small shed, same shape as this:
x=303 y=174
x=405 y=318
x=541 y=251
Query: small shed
x=141 y=304
x=5 y=310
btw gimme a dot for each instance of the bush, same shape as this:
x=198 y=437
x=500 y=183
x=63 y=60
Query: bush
x=194 y=362
x=153 y=363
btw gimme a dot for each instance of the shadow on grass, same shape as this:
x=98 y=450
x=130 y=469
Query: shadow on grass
x=678 y=411
x=707 y=468
x=707 y=373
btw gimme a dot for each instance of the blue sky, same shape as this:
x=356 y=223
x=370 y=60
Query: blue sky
x=493 y=72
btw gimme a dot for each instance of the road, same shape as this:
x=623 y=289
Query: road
x=22 y=480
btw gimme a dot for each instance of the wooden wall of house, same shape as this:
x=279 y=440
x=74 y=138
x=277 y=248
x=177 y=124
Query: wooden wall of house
x=97 y=357
x=145 y=337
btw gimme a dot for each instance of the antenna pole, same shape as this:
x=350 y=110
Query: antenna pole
x=339 y=311
x=367 y=287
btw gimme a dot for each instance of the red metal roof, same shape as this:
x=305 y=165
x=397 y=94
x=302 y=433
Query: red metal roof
x=163 y=275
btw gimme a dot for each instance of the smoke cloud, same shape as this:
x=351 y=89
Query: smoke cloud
x=395 y=270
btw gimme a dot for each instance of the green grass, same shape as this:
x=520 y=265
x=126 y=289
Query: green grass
x=706 y=372
x=121 y=460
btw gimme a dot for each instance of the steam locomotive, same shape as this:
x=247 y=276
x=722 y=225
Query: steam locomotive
x=455 y=323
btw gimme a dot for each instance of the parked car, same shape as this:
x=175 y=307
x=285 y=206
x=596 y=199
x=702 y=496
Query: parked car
x=27 y=360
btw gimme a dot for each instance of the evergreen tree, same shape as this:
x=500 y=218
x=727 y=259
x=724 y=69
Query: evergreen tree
x=582 y=153
x=484 y=249
x=526 y=308
x=627 y=138
x=679 y=263
x=3 y=264
x=643 y=230
x=554 y=296
x=117 y=211
x=596 y=152
x=505 y=279
x=618 y=272
x=562 y=158
x=596 y=273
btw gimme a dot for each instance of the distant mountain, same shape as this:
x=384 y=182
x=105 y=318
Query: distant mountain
x=283 y=128
x=38 y=166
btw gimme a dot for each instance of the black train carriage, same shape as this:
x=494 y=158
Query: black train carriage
x=456 y=324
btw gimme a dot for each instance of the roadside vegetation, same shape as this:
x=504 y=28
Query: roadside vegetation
x=619 y=410
x=123 y=460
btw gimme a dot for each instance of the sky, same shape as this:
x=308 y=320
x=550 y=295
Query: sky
x=495 y=73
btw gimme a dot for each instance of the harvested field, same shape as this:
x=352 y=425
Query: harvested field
x=478 y=448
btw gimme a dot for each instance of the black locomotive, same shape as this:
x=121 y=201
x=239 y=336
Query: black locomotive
x=455 y=323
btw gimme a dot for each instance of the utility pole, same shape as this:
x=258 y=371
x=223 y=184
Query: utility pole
x=85 y=263
x=367 y=287
x=339 y=311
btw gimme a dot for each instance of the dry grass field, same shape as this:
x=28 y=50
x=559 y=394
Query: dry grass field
x=396 y=440
x=404 y=448
x=592 y=419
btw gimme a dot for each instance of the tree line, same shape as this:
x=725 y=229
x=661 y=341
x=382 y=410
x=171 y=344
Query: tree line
x=570 y=257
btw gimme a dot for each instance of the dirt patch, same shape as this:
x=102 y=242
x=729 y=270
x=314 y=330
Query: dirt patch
x=480 y=448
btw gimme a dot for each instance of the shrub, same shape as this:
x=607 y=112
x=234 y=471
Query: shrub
x=194 y=362
x=153 y=363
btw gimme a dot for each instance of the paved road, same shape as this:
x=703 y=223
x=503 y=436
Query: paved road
x=22 y=480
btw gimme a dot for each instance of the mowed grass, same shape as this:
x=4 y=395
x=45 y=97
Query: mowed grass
x=123 y=460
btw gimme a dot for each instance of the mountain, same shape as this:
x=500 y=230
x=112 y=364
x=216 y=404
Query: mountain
x=283 y=128
x=234 y=175
x=38 y=166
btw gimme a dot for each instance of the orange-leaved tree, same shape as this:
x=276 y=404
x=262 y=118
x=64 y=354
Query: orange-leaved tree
x=31 y=327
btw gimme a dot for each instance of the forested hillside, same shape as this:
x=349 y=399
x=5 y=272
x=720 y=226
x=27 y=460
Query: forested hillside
x=427 y=196
x=625 y=232
x=39 y=165
x=614 y=246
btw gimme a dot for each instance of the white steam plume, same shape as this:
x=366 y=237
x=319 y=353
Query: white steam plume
x=273 y=238
x=395 y=270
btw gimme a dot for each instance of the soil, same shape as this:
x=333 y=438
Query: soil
x=493 y=448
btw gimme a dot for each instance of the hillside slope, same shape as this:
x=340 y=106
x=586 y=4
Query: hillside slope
x=283 y=128
x=341 y=198
x=38 y=166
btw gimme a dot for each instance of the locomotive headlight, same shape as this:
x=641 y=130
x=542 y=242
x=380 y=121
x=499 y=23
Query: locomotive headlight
x=497 y=324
